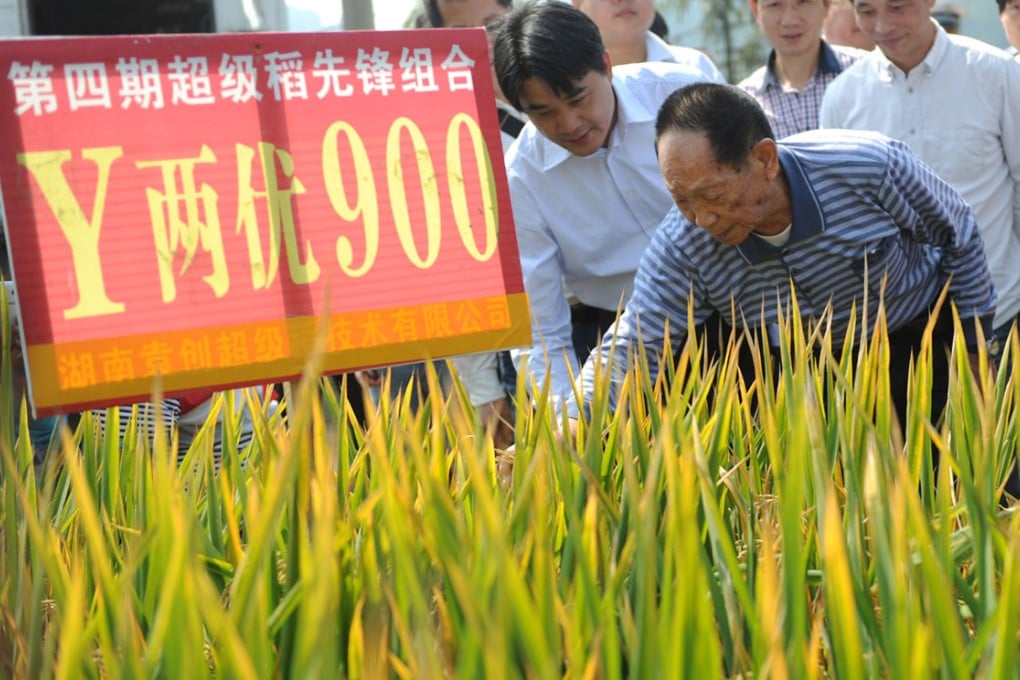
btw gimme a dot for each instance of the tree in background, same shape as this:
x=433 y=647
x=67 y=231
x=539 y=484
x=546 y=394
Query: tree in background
x=724 y=28
x=358 y=14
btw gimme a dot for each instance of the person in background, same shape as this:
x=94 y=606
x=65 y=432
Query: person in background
x=586 y=191
x=851 y=221
x=659 y=27
x=196 y=409
x=1009 y=15
x=185 y=413
x=625 y=27
x=840 y=27
x=42 y=432
x=789 y=87
x=954 y=101
x=486 y=14
x=488 y=377
x=949 y=16
x=151 y=419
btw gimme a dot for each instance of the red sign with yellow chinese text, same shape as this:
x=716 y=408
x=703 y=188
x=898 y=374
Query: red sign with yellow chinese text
x=202 y=208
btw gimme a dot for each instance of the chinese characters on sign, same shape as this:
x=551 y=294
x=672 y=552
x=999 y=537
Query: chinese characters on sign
x=90 y=363
x=281 y=76
x=202 y=210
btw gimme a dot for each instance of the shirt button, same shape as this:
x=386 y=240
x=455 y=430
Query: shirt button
x=910 y=90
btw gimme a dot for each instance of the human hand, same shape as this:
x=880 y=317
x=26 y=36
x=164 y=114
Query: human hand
x=17 y=357
x=371 y=377
x=496 y=415
x=505 y=458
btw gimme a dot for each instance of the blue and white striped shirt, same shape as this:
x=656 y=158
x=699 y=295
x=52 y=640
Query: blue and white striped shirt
x=864 y=208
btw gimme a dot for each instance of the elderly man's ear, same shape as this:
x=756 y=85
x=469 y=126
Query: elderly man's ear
x=765 y=153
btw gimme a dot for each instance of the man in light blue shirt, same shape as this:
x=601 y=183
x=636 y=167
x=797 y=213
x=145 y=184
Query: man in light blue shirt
x=585 y=186
x=848 y=220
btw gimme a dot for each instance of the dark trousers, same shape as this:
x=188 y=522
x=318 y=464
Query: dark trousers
x=904 y=345
x=1002 y=335
x=589 y=325
x=905 y=340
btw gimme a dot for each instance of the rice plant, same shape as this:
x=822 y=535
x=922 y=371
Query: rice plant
x=712 y=524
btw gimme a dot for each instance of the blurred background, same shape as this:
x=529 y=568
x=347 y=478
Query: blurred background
x=723 y=28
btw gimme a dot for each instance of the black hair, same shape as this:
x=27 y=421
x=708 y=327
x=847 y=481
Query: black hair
x=659 y=26
x=1002 y=5
x=435 y=17
x=421 y=19
x=731 y=119
x=5 y=264
x=551 y=41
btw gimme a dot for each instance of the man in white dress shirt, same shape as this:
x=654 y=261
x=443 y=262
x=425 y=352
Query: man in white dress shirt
x=956 y=102
x=584 y=181
x=486 y=376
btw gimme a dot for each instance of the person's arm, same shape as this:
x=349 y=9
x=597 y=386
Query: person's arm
x=1011 y=135
x=480 y=377
x=542 y=268
x=663 y=285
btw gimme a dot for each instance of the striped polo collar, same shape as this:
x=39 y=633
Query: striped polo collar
x=828 y=62
x=804 y=208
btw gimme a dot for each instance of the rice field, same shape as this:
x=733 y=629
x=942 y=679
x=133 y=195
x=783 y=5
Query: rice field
x=708 y=527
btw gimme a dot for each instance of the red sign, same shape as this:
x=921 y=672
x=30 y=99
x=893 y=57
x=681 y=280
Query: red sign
x=202 y=208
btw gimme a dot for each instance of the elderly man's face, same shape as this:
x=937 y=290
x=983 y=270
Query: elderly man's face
x=730 y=203
x=902 y=29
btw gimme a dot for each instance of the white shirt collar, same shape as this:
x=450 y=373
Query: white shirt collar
x=927 y=66
x=657 y=49
x=628 y=112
